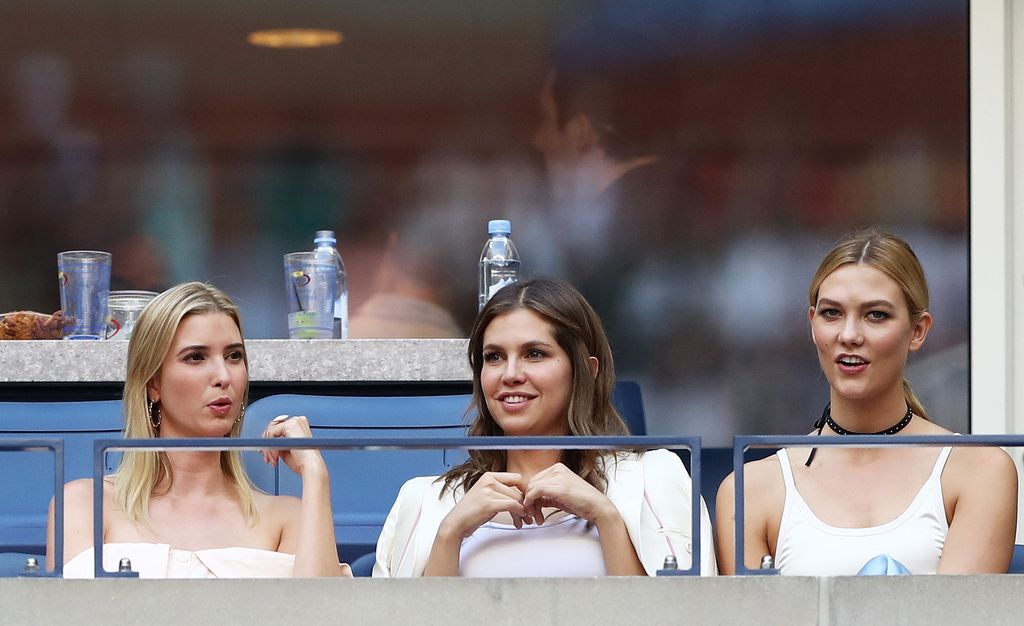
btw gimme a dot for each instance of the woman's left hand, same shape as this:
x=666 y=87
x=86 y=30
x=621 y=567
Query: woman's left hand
x=560 y=487
x=295 y=427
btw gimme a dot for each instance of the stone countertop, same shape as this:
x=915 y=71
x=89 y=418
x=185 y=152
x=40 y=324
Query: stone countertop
x=270 y=360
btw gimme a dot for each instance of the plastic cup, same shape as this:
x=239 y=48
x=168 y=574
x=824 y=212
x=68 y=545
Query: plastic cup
x=125 y=307
x=310 y=279
x=84 y=279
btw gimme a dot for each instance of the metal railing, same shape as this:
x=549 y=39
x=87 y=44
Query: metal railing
x=55 y=446
x=742 y=443
x=692 y=444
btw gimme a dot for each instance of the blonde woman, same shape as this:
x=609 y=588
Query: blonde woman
x=188 y=514
x=829 y=511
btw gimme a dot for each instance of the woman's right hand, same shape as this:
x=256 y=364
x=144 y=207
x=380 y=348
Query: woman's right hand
x=299 y=460
x=493 y=493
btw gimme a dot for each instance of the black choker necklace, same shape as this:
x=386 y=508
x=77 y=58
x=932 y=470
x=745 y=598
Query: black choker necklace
x=826 y=419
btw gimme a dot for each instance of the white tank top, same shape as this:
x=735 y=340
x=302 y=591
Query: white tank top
x=560 y=548
x=808 y=546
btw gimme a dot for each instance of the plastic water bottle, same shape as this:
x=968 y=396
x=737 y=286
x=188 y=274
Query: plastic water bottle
x=499 y=261
x=325 y=241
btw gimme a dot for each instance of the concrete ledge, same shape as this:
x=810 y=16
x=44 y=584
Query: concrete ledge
x=270 y=360
x=449 y=602
x=793 y=601
x=931 y=600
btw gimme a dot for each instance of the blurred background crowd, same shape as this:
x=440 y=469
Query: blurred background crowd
x=756 y=132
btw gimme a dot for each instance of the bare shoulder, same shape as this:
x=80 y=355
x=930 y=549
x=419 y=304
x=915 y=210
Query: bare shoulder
x=972 y=466
x=278 y=509
x=763 y=473
x=761 y=478
x=79 y=492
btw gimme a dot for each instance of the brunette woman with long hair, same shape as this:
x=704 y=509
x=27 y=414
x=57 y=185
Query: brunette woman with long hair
x=542 y=366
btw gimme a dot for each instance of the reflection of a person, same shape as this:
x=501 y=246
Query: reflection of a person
x=170 y=188
x=406 y=301
x=623 y=209
x=51 y=188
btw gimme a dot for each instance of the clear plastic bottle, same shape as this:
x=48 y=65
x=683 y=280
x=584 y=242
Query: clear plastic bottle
x=325 y=241
x=499 y=261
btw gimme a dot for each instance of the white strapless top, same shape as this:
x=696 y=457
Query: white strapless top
x=159 y=560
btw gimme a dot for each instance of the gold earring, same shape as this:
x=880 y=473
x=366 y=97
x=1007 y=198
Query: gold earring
x=154 y=418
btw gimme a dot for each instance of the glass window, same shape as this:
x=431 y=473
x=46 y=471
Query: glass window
x=685 y=164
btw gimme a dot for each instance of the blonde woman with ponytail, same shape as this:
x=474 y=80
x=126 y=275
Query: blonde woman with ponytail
x=831 y=511
x=188 y=514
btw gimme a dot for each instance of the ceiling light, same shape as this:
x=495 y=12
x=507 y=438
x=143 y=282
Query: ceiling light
x=294 y=38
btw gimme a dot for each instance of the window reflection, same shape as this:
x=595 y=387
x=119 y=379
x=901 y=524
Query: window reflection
x=747 y=135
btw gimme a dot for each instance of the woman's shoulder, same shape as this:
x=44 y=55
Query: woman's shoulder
x=277 y=506
x=79 y=492
x=981 y=465
x=760 y=476
x=977 y=463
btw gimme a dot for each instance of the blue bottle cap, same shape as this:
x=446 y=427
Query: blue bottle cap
x=324 y=236
x=499 y=227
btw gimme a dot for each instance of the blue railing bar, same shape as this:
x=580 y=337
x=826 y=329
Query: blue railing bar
x=31 y=445
x=58 y=509
x=397 y=443
x=874 y=441
x=100 y=447
x=55 y=446
x=744 y=442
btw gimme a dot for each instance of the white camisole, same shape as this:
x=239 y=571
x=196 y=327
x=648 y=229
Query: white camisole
x=562 y=547
x=809 y=547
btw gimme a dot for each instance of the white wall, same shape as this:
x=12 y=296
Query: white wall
x=997 y=224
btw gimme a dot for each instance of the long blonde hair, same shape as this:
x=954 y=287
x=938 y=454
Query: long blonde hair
x=893 y=257
x=140 y=472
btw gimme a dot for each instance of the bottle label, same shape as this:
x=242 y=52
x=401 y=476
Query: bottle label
x=498 y=285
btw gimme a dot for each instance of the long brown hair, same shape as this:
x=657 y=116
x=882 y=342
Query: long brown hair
x=893 y=257
x=578 y=330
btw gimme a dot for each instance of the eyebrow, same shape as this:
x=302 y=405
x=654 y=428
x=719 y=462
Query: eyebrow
x=528 y=344
x=864 y=305
x=202 y=348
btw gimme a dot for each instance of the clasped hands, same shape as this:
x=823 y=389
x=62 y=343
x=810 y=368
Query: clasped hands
x=557 y=487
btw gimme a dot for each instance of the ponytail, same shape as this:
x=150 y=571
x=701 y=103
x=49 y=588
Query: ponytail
x=913 y=402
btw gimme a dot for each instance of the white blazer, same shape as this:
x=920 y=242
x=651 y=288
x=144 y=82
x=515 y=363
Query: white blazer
x=651 y=491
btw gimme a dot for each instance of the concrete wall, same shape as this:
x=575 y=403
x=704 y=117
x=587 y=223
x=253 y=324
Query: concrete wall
x=930 y=600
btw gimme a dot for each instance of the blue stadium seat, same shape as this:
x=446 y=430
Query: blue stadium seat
x=28 y=476
x=1017 y=562
x=363 y=566
x=364 y=483
x=630 y=402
